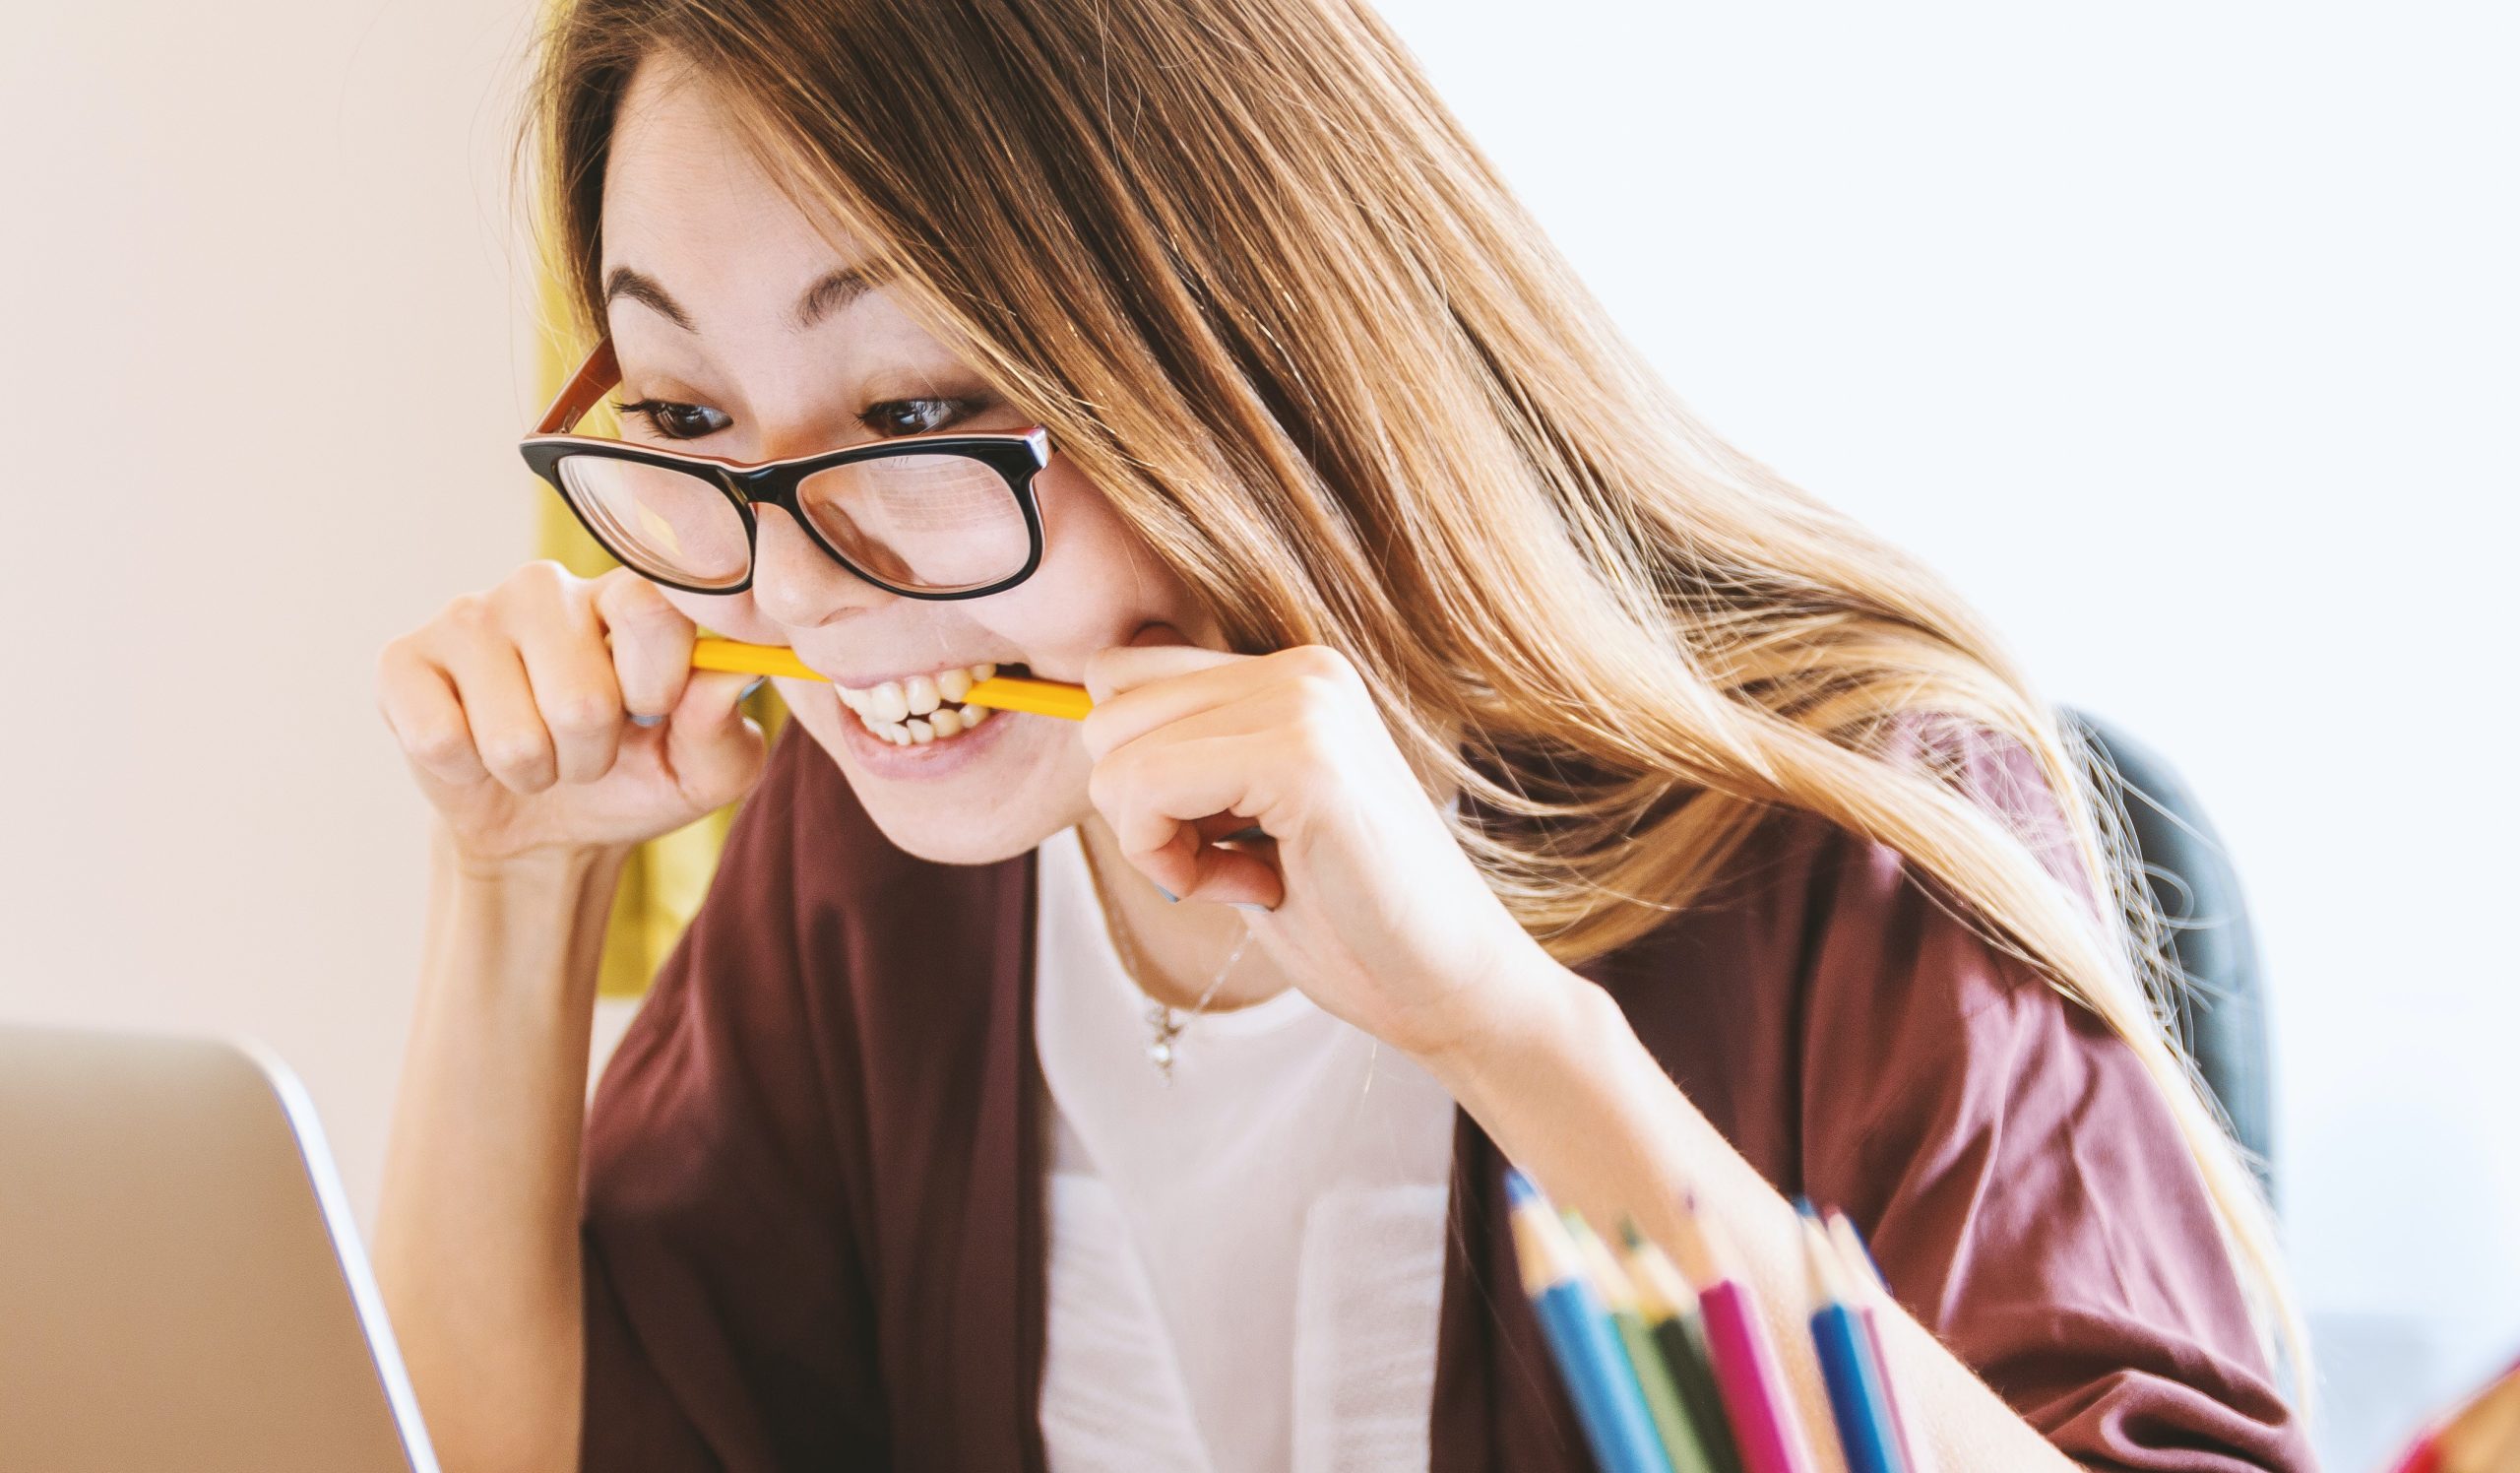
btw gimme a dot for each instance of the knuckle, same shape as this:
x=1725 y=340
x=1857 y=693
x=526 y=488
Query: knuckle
x=439 y=743
x=542 y=573
x=1106 y=785
x=582 y=712
x=469 y=613
x=392 y=662
x=516 y=757
x=1096 y=731
x=631 y=597
x=1318 y=663
x=540 y=584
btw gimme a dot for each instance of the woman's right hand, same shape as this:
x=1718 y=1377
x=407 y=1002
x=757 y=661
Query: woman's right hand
x=512 y=706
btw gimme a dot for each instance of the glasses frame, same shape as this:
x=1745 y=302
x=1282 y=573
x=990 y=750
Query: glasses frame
x=1017 y=457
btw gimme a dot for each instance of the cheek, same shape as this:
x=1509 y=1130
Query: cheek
x=1098 y=584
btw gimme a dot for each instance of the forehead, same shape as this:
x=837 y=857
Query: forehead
x=685 y=201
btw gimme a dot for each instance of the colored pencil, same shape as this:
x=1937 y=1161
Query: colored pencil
x=1847 y=1364
x=2482 y=1434
x=1872 y=1297
x=1607 y=1402
x=1765 y=1426
x=1670 y=1308
x=998 y=692
x=1620 y=1297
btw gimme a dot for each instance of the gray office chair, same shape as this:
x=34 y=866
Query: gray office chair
x=2220 y=1017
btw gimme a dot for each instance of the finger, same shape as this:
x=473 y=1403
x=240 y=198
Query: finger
x=650 y=642
x=420 y=708
x=1230 y=828
x=1135 y=698
x=1164 y=799
x=1196 y=870
x=498 y=706
x=561 y=641
x=1154 y=653
x=713 y=750
x=1307 y=671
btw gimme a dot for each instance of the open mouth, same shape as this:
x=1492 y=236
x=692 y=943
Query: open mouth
x=923 y=709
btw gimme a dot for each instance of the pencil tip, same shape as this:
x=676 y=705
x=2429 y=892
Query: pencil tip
x=1802 y=1206
x=1819 y=1263
x=1519 y=1190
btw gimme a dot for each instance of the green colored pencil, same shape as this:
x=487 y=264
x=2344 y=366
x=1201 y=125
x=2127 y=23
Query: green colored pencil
x=1669 y=1307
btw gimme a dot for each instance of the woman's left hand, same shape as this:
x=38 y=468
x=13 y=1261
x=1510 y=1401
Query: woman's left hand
x=1373 y=909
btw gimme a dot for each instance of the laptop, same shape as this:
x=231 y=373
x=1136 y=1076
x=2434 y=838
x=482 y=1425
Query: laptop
x=181 y=1285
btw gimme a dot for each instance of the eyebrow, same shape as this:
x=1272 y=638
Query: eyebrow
x=835 y=292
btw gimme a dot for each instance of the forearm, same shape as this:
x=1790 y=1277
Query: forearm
x=1569 y=1094
x=476 y=1241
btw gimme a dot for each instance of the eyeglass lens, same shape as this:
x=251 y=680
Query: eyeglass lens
x=933 y=520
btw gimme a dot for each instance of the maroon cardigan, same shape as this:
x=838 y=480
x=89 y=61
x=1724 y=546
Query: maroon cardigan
x=814 y=1169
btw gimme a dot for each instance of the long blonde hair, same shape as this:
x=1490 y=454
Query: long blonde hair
x=1262 y=288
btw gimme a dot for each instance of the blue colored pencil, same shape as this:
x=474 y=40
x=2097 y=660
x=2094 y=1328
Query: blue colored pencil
x=1872 y=1300
x=1858 y=1400
x=1599 y=1380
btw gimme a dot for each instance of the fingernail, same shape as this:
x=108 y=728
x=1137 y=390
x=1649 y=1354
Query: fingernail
x=645 y=721
x=745 y=694
x=1253 y=906
x=1169 y=896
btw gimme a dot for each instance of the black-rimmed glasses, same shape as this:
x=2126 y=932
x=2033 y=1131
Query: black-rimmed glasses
x=941 y=515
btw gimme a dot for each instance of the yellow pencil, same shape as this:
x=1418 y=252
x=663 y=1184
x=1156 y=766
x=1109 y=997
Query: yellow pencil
x=997 y=692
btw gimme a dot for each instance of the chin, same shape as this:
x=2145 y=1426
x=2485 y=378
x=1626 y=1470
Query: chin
x=922 y=842
x=974 y=796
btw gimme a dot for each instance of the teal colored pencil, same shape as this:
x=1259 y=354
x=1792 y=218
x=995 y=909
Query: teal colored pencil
x=1672 y=1420
x=1601 y=1383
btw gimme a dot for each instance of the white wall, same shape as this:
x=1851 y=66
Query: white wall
x=260 y=417
x=2179 y=336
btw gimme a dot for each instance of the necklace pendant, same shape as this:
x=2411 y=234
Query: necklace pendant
x=1167 y=1026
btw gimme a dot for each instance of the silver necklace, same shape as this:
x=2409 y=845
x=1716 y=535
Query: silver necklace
x=1165 y=1021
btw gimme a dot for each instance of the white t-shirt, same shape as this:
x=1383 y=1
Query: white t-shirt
x=1245 y=1266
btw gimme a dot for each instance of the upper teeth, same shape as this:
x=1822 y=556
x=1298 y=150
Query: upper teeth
x=921 y=709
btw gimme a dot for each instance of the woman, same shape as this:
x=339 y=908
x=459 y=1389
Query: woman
x=1488 y=765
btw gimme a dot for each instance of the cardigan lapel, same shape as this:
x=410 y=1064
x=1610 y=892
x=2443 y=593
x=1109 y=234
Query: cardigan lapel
x=985 y=1411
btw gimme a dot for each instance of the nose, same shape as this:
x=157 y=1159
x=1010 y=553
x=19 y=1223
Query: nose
x=796 y=583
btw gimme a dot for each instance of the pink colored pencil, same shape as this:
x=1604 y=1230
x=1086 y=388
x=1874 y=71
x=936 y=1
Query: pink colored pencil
x=1764 y=1423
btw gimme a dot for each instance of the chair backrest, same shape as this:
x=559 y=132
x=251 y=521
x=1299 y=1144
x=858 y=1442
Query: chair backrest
x=2220 y=1016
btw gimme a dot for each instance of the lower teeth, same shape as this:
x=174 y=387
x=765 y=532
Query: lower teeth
x=947 y=720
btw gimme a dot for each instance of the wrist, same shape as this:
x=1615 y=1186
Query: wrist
x=520 y=930
x=1522 y=1012
x=561 y=867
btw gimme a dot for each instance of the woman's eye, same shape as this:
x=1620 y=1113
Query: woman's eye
x=914 y=417
x=677 y=422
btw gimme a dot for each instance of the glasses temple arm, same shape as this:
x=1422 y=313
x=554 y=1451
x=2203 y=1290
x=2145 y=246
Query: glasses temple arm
x=600 y=371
